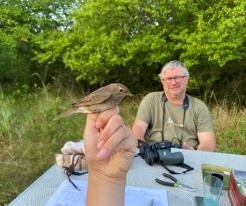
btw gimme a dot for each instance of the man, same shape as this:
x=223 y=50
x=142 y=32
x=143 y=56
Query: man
x=173 y=115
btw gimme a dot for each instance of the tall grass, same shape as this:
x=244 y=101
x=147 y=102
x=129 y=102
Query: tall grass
x=230 y=129
x=30 y=138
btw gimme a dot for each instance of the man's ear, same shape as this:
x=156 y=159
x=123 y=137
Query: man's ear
x=188 y=78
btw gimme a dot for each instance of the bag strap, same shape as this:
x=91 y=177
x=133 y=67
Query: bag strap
x=70 y=170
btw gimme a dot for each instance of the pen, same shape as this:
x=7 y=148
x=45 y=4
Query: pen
x=150 y=202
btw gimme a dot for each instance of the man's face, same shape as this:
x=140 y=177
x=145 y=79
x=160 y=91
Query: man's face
x=174 y=83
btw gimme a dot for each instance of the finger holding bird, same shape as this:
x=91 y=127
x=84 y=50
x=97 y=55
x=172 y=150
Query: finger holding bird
x=102 y=99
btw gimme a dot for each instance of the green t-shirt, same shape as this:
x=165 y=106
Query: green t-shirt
x=197 y=119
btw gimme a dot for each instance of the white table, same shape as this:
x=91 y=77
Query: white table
x=140 y=174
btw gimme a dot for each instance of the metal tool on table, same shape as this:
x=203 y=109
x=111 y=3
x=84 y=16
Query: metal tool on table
x=174 y=183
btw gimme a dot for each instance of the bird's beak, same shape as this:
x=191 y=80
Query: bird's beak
x=130 y=94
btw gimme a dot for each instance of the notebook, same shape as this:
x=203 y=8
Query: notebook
x=67 y=195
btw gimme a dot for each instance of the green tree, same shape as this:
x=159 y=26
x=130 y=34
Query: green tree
x=21 y=22
x=217 y=43
x=129 y=40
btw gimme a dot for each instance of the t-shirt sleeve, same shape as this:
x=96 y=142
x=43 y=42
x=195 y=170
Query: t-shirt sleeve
x=204 y=119
x=144 y=110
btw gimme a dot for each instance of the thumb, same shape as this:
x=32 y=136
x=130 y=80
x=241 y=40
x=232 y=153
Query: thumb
x=91 y=133
x=90 y=127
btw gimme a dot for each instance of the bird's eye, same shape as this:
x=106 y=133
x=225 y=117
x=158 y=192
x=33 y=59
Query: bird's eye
x=121 y=90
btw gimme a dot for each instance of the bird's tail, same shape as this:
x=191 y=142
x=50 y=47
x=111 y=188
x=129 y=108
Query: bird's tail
x=66 y=114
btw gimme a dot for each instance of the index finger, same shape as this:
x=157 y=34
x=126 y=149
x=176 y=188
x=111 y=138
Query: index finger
x=104 y=117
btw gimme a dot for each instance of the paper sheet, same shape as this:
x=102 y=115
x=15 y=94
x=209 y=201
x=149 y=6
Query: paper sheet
x=67 y=195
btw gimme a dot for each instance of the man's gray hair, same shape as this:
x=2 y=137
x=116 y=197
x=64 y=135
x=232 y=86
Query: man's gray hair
x=174 y=65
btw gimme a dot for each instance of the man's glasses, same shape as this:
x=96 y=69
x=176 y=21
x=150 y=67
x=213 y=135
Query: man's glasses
x=176 y=79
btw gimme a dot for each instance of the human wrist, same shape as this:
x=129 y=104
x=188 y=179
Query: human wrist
x=107 y=188
x=100 y=175
x=105 y=179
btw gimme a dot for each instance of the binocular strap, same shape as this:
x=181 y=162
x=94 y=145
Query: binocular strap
x=183 y=165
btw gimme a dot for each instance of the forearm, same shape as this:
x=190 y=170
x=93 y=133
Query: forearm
x=111 y=190
x=207 y=147
x=207 y=141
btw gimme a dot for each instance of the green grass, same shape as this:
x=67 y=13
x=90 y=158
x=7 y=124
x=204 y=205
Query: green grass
x=30 y=138
x=230 y=129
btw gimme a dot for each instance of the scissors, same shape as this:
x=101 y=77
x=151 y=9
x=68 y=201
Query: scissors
x=174 y=183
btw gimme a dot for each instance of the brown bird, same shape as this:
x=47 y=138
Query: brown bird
x=102 y=99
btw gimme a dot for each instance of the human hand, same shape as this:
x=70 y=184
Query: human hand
x=109 y=145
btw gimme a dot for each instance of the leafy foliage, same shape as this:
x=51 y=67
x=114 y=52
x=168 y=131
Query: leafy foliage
x=114 y=40
x=124 y=41
x=22 y=21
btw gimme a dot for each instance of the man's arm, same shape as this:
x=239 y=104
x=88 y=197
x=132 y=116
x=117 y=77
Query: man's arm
x=204 y=127
x=207 y=141
x=139 y=129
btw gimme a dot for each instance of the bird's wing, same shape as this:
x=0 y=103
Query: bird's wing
x=93 y=98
